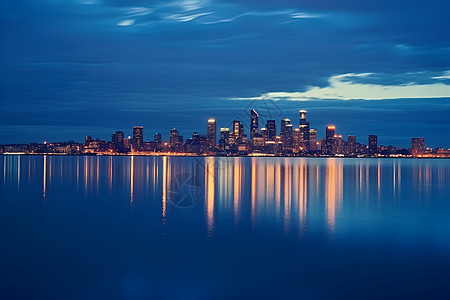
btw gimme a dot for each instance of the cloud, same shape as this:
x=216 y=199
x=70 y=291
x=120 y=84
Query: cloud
x=347 y=87
x=445 y=76
x=187 y=18
x=126 y=22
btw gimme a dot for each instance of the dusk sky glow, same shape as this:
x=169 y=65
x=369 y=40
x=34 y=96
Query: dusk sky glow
x=90 y=67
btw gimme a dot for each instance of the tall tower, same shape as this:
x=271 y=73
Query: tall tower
x=351 y=144
x=117 y=139
x=302 y=117
x=253 y=123
x=304 y=129
x=238 y=131
x=330 y=132
x=138 y=137
x=286 y=135
x=271 y=130
x=211 y=133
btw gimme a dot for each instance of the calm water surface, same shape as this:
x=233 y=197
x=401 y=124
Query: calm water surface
x=223 y=228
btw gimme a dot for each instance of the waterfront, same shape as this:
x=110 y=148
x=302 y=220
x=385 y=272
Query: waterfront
x=137 y=227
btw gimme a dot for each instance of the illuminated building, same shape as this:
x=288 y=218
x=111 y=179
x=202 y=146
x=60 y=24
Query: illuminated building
x=417 y=146
x=238 y=130
x=296 y=140
x=127 y=143
x=138 y=138
x=117 y=140
x=336 y=146
x=253 y=123
x=304 y=129
x=175 y=141
x=157 y=138
x=211 y=133
x=258 y=142
x=330 y=132
x=373 y=144
x=286 y=135
x=271 y=130
x=351 y=145
x=265 y=134
x=312 y=140
x=327 y=147
x=225 y=135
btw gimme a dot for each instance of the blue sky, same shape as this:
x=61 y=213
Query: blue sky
x=72 y=68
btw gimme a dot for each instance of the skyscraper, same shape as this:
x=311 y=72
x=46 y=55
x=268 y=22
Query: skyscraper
x=312 y=140
x=211 y=133
x=138 y=138
x=253 y=123
x=286 y=135
x=173 y=138
x=302 y=117
x=296 y=140
x=330 y=132
x=225 y=134
x=351 y=144
x=373 y=144
x=117 y=139
x=157 y=138
x=271 y=130
x=238 y=130
x=304 y=129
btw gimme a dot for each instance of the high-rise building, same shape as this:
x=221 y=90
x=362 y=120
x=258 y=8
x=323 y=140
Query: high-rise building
x=265 y=134
x=328 y=145
x=351 y=144
x=302 y=117
x=157 y=138
x=238 y=130
x=271 y=130
x=117 y=140
x=211 y=133
x=138 y=138
x=304 y=130
x=312 y=140
x=254 y=126
x=175 y=140
x=127 y=143
x=286 y=135
x=336 y=146
x=417 y=146
x=296 y=140
x=225 y=134
x=330 y=132
x=373 y=144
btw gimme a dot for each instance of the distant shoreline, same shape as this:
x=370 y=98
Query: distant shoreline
x=222 y=156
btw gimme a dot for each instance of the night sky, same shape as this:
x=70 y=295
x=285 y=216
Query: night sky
x=91 y=67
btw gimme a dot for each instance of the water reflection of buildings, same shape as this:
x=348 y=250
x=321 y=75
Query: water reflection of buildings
x=333 y=190
x=290 y=193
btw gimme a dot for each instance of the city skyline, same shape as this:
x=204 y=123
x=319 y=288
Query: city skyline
x=240 y=139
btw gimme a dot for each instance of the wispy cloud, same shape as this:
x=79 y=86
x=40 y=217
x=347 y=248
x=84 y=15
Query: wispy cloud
x=345 y=87
x=128 y=22
x=187 y=18
x=445 y=76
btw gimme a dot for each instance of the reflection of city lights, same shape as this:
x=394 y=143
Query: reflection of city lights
x=132 y=180
x=45 y=178
x=210 y=177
